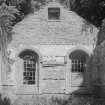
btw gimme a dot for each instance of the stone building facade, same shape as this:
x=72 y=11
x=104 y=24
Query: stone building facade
x=49 y=51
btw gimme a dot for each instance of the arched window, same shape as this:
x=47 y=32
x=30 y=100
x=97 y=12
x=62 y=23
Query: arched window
x=78 y=59
x=30 y=66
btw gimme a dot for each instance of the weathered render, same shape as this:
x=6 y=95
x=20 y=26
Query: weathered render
x=53 y=42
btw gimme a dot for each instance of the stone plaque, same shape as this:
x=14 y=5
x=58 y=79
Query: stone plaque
x=53 y=60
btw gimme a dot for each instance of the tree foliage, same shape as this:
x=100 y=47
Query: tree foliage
x=101 y=34
x=91 y=10
x=7 y=15
x=96 y=72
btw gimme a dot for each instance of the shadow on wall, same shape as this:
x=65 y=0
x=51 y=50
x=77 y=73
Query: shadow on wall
x=93 y=80
x=78 y=60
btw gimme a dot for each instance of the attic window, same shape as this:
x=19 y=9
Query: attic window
x=53 y=13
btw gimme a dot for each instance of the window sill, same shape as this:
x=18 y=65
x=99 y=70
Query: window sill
x=54 y=20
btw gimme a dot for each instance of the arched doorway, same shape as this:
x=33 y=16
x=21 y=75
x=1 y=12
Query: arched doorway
x=78 y=66
x=28 y=72
x=30 y=59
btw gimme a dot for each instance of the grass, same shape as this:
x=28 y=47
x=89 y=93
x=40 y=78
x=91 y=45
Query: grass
x=72 y=100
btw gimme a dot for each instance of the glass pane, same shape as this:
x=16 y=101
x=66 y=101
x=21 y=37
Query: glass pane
x=53 y=13
x=29 y=69
x=77 y=65
x=30 y=64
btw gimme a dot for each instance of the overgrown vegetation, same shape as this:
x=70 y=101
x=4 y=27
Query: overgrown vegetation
x=96 y=65
x=7 y=15
x=72 y=100
x=101 y=33
x=91 y=10
x=4 y=101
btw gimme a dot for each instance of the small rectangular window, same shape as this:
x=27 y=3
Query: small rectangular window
x=53 y=13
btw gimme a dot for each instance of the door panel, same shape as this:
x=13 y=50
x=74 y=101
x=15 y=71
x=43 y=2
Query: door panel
x=76 y=79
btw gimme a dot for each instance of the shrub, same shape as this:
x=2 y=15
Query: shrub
x=58 y=101
x=4 y=101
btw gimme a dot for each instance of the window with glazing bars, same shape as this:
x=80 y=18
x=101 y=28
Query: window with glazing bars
x=78 y=65
x=29 y=69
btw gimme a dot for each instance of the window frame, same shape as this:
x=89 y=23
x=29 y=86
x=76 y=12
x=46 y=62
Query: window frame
x=29 y=68
x=78 y=66
x=78 y=59
x=59 y=13
x=29 y=63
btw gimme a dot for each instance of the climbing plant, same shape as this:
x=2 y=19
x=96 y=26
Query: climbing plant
x=7 y=15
